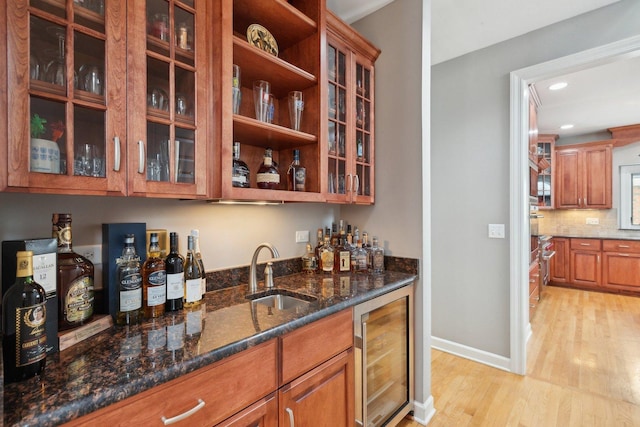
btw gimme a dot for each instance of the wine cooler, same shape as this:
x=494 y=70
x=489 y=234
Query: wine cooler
x=383 y=330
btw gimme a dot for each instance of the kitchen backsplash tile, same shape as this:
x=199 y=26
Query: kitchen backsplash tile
x=573 y=223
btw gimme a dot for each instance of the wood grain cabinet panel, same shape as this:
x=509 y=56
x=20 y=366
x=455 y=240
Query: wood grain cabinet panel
x=559 y=264
x=621 y=265
x=250 y=375
x=585 y=262
x=583 y=177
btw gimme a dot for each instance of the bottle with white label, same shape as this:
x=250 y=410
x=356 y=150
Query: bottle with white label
x=129 y=281
x=154 y=281
x=196 y=247
x=174 y=264
x=268 y=176
x=192 y=276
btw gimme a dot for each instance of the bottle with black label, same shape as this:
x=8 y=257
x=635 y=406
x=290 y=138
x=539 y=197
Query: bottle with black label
x=129 y=285
x=240 y=173
x=154 y=281
x=174 y=263
x=75 y=278
x=24 y=313
x=297 y=174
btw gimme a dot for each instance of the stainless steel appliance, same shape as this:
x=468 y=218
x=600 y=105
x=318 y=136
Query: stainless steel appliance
x=383 y=330
x=533 y=228
x=546 y=249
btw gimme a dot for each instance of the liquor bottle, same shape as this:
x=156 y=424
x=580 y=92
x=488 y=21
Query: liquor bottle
x=342 y=263
x=24 y=313
x=318 y=247
x=129 y=275
x=367 y=247
x=174 y=264
x=196 y=247
x=154 y=281
x=192 y=276
x=268 y=176
x=326 y=258
x=74 y=278
x=359 y=259
x=297 y=174
x=377 y=257
x=309 y=260
x=240 y=172
x=335 y=236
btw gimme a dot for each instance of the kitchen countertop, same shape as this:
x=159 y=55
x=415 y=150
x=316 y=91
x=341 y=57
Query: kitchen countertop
x=584 y=236
x=123 y=361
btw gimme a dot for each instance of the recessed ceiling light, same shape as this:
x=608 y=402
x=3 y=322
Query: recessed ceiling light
x=565 y=127
x=558 y=86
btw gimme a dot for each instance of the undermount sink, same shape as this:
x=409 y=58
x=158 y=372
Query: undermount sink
x=281 y=301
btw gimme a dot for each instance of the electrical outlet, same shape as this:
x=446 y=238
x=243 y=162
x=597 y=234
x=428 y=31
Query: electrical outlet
x=302 y=236
x=496 y=231
x=593 y=221
x=91 y=252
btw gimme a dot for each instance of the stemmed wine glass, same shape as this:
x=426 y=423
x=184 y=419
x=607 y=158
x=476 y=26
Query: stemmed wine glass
x=56 y=69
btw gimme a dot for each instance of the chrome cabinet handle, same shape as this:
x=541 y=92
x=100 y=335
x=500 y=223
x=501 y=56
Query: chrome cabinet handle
x=624 y=246
x=116 y=153
x=585 y=244
x=173 y=420
x=141 y=156
x=291 y=419
x=623 y=254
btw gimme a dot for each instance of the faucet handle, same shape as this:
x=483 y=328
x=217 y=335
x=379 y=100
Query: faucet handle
x=268 y=275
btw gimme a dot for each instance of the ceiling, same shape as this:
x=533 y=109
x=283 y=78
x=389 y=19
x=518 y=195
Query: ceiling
x=596 y=99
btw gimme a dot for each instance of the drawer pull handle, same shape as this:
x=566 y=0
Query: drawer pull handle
x=624 y=246
x=184 y=415
x=623 y=254
x=585 y=244
x=291 y=420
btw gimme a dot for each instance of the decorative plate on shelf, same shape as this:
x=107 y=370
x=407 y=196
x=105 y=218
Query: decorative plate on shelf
x=260 y=37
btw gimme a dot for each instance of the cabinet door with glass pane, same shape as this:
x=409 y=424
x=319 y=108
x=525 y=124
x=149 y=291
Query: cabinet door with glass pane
x=65 y=96
x=167 y=76
x=350 y=142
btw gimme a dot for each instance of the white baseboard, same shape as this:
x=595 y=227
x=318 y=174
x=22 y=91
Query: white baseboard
x=423 y=412
x=471 y=353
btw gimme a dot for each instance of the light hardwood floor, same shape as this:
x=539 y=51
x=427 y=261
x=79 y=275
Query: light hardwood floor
x=583 y=369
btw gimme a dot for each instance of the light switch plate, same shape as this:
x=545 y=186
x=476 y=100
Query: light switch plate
x=302 y=236
x=496 y=231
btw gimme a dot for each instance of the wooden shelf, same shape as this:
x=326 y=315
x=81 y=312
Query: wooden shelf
x=258 y=194
x=258 y=65
x=286 y=23
x=254 y=132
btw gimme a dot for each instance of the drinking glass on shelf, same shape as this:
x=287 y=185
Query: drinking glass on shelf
x=270 y=109
x=97 y=163
x=261 y=91
x=296 y=106
x=36 y=71
x=83 y=164
x=181 y=104
x=158 y=99
x=91 y=79
x=56 y=68
x=237 y=94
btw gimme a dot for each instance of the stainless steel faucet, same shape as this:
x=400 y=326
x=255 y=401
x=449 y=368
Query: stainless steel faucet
x=253 y=277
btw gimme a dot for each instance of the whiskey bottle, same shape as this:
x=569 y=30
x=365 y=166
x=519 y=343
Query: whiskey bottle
x=297 y=174
x=129 y=285
x=317 y=248
x=377 y=257
x=196 y=247
x=326 y=258
x=359 y=259
x=342 y=263
x=154 y=281
x=174 y=264
x=24 y=313
x=240 y=172
x=268 y=176
x=192 y=276
x=74 y=278
x=309 y=260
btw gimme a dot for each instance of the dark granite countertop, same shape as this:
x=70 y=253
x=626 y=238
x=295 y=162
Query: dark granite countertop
x=585 y=236
x=123 y=361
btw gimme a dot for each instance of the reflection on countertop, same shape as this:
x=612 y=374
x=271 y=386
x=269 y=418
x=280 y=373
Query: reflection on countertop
x=123 y=361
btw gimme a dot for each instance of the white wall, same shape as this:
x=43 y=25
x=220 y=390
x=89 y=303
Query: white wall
x=470 y=164
x=401 y=213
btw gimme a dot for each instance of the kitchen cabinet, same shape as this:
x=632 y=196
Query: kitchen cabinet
x=201 y=398
x=264 y=413
x=297 y=28
x=348 y=151
x=546 y=160
x=621 y=265
x=534 y=288
x=583 y=177
x=559 y=263
x=65 y=128
x=114 y=99
x=168 y=73
x=585 y=262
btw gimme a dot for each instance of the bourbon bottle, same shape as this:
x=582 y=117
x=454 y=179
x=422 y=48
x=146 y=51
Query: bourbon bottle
x=74 y=278
x=154 y=281
x=268 y=176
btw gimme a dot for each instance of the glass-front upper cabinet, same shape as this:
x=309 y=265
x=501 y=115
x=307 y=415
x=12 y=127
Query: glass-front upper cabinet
x=545 y=159
x=65 y=96
x=167 y=77
x=350 y=144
